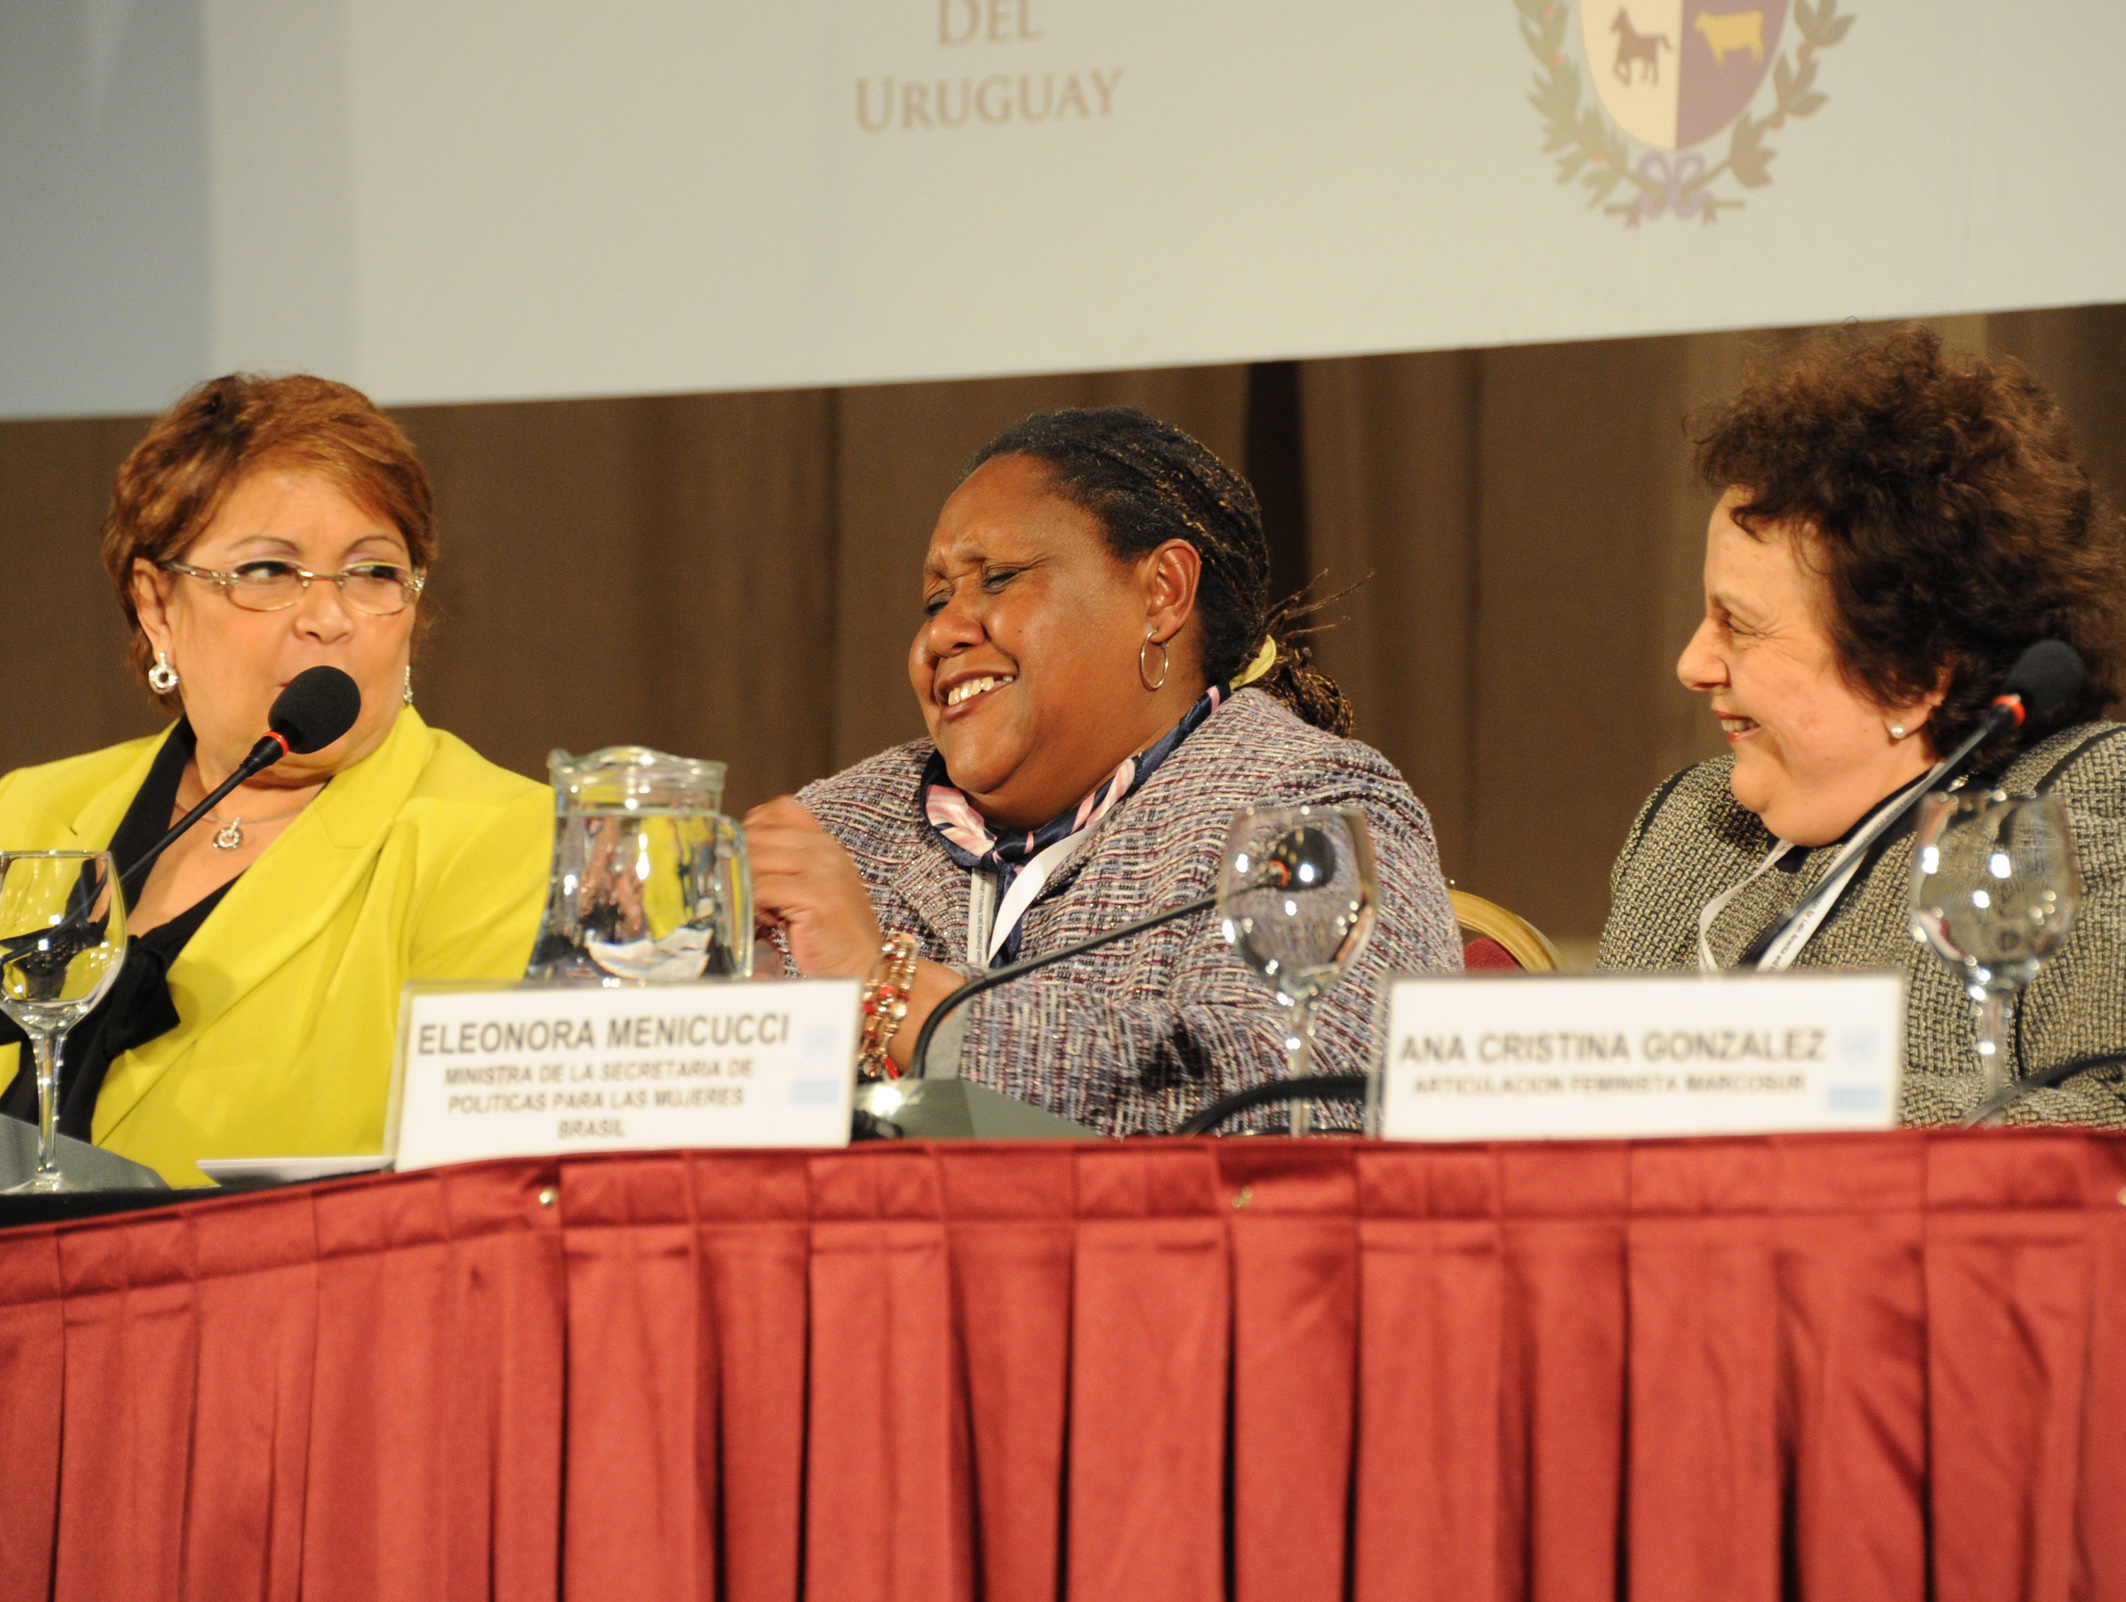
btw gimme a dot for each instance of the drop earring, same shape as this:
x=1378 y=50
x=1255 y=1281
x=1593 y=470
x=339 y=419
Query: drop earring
x=162 y=678
x=406 y=694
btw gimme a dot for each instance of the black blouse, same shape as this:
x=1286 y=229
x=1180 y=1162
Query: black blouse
x=137 y=1008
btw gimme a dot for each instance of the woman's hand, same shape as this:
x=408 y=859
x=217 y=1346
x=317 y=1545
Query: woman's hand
x=805 y=884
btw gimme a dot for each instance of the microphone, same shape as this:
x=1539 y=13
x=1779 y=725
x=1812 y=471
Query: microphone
x=318 y=706
x=2042 y=680
x=1303 y=856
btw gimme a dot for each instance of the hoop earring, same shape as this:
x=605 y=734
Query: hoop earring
x=1165 y=661
x=162 y=678
x=406 y=694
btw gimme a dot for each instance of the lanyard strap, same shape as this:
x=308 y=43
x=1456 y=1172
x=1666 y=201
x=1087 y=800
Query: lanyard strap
x=989 y=922
x=1707 y=962
x=1780 y=955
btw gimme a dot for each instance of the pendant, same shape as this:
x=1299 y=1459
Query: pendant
x=230 y=835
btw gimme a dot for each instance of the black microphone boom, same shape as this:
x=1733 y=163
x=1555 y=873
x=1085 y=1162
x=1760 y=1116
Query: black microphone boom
x=318 y=706
x=1304 y=855
x=2041 y=682
x=919 y=1059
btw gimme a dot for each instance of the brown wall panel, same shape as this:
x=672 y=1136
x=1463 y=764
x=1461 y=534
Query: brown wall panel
x=1575 y=443
x=2080 y=353
x=62 y=654
x=538 y=637
x=655 y=571
x=1393 y=478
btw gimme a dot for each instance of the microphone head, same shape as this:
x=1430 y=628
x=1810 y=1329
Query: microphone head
x=2044 y=677
x=319 y=705
x=1304 y=856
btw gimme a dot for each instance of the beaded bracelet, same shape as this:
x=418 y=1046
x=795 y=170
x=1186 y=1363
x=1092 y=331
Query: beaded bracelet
x=885 y=1005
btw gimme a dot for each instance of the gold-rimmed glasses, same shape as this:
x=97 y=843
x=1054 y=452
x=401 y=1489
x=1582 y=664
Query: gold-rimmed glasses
x=381 y=589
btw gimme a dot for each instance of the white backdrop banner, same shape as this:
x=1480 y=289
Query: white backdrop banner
x=519 y=198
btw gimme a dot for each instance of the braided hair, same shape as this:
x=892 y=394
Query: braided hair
x=1148 y=482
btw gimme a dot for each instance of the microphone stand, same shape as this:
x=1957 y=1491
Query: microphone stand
x=2004 y=713
x=269 y=750
x=919 y=1059
x=59 y=939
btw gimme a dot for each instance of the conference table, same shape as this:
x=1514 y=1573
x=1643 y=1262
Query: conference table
x=1817 y=1366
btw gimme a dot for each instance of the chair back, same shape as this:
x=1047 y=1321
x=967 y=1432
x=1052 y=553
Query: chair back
x=1492 y=937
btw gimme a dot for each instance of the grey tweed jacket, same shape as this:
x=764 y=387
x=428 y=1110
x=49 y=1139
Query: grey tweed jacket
x=1135 y=1037
x=1693 y=840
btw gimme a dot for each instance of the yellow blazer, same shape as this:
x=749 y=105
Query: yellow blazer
x=422 y=861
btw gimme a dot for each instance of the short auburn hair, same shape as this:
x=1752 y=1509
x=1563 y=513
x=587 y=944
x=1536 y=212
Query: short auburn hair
x=1947 y=508
x=228 y=428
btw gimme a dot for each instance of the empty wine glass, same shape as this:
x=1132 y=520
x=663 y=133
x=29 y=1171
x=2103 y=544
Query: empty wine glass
x=1297 y=895
x=62 y=940
x=1994 y=890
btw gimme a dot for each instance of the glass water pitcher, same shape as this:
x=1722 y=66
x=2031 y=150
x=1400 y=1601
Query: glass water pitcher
x=650 y=884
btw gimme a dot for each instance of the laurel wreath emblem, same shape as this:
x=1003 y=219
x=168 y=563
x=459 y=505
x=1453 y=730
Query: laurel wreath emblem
x=1591 y=149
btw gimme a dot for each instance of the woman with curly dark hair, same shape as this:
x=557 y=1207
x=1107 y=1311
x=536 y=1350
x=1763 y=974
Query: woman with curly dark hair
x=1106 y=682
x=1897 y=525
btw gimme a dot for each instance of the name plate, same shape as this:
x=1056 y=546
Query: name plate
x=1602 y=1057
x=529 y=1070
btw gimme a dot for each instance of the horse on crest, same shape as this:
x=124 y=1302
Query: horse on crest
x=1633 y=45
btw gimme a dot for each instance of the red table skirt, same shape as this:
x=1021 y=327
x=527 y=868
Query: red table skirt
x=1860 y=1366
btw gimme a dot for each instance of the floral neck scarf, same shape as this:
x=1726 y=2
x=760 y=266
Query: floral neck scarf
x=972 y=844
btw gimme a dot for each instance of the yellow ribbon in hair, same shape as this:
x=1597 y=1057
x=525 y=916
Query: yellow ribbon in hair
x=1265 y=659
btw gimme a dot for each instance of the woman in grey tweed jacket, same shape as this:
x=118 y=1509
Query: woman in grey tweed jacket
x=1140 y=1034
x=1104 y=691
x=1897 y=526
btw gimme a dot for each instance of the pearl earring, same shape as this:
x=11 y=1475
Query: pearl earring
x=1897 y=731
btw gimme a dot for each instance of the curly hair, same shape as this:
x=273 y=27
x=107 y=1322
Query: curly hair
x=1149 y=482
x=1949 y=512
x=195 y=454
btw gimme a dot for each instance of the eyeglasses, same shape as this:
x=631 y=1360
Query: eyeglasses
x=380 y=589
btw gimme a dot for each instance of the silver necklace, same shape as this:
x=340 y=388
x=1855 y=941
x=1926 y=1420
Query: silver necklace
x=230 y=836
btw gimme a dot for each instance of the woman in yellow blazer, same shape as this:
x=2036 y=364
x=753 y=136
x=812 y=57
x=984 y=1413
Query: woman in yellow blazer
x=266 y=526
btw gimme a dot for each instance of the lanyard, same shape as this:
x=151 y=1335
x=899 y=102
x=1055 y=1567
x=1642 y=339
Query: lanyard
x=1782 y=952
x=989 y=924
x=1780 y=955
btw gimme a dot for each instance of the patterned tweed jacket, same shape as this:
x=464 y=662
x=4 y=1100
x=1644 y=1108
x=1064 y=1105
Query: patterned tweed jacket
x=1692 y=840
x=1136 y=1037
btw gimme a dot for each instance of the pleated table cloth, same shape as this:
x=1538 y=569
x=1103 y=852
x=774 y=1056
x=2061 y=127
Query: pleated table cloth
x=1840 y=1366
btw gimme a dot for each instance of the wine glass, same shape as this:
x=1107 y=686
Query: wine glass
x=62 y=940
x=1297 y=896
x=1994 y=890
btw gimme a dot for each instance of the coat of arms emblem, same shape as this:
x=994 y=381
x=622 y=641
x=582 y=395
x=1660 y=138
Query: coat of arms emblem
x=1669 y=77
